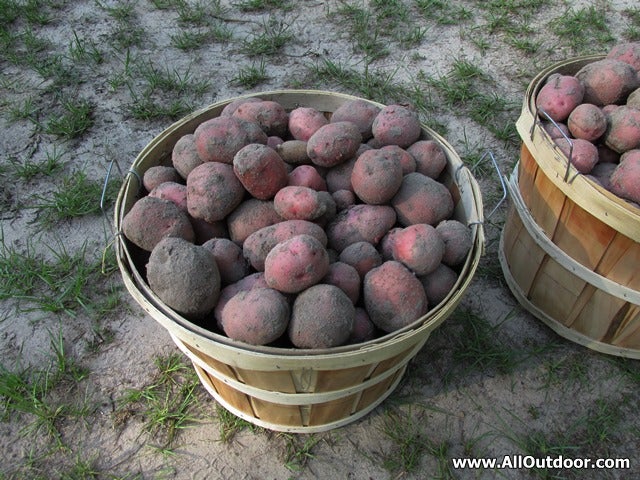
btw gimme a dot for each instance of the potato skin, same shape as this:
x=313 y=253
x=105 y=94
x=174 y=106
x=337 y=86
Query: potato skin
x=322 y=316
x=587 y=121
x=220 y=138
x=272 y=118
x=307 y=176
x=559 y=96
x=251 y=281
x=184 y=276
x=376 y=176
x=158 y=174
x=228 y=255
x=258 y=316
x=438 y=284
x=607 y=81
x=294 y=152
x=151 y=219
x=333 y=144
x=584 y=155
x=429 y=156
x=359 y=112
x=625 y=179
x=396 y=125
x=422 y=199
x=362 y=256
x=623 y=133
x=361 y=222
x=457 y=239
x=305 y=121
x=346 y=278
x=249 y=217
x=257 y=246
x=213 y=191
x=363 y=328
x=628 y=52
x=172 y=191
x=184 y=156
x=261 y=170
x=418 y=247
x=296 y=264
x=407 y=162
x=299 y=203
x=393 y=296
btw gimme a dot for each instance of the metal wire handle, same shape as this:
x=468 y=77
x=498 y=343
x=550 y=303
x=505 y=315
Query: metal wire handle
x=541 y=111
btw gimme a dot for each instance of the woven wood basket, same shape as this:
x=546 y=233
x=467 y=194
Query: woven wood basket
x=286 y=389
x=590 y=224
x=576 y=302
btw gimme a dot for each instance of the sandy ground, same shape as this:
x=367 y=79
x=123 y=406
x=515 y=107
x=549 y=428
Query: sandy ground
x=504 y=385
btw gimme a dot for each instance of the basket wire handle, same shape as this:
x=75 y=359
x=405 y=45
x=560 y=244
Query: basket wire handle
x=502 y=184
x=542 y=111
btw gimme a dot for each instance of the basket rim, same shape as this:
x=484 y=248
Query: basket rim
x=422 y=325
x=609 y=208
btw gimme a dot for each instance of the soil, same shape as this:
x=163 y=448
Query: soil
x=491 y=381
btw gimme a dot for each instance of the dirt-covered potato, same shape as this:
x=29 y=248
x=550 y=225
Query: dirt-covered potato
x=184 y=276
x=251 y=281
x=294 y=152
x=249 y=217
x=172 y=191
x=220 y=138
x=158 y=174
x=299 y=203
x=261 y=170
x=587 y=121
x=623 y=133
x=305 y=121
x=322 y=316
x=628 y=52
x=607 y=81
x=407 y=161
x=346 y=278
x=438 y=283
x=363 y=256
x=396 y=125
x=457 y=239
x=363 y=328
x=334 y=143
x=559 y=96
x=429 y=156
x=184 y=156
x=359 y=112
x=418 y=247
x=376 y=176
x=582 y=153
x=272 y=118
x=228 y=255
x=422 y=199
x=360 y=223
x=213 y=191
x=625 y=180
x=307 y=176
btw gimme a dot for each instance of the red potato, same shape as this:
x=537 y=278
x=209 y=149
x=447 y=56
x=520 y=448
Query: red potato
x=363 y=256
x=430 y=157
x=339 y=177
x=628 y=52
x=220 y=138
x=422 y=199
x=184 y=276
x=329 y=206
x=232 y=106
x=307 y=176
x=261 y=170
x=396 y=125
x=151 y=219
x=393 y=296
x=158 y=174
x=249 y=217
x=601 y=174
x=272 y=118
x=228 y=255
x=172 y=191
x=251 y=281
x=559 y=130
x=346 y=278
x=559 y=96
x=299 y=203
x=418 y=247
x=296 y=264
x=258 y=316
x=439 y=283
x=274 y=141
x=385 y=246
x=457 y=239
x=257 y=246
x=322 y=316
x=184 y=156
x=334 y=143
x=625 y=179
x=407 y=161
x=623 y=133
x=584 y=155
x=376 y=176
x=607 y=81
x=633 y=100
x=305 y=121
x=362 y=222
x=359 y=112
x=363 y=328
x=294 y=152
x=587 y=121
x=344 y=199
x=213 y=191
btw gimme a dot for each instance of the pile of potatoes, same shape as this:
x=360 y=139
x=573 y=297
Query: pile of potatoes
x=300 y=228
x=597 y=119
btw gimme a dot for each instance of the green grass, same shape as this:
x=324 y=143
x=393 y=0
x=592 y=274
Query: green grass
x=251 y=75
x=269 y=41
x=75 y=119
x=582 y=28
x=298 y=450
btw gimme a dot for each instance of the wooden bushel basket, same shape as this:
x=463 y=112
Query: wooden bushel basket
x=576 y=302
x=287 y=389
x=590 y=224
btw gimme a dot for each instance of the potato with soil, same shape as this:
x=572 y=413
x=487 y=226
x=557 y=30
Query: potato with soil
x=249 y=217
x=607 y=81
x=625 y=180
x=438 y=283
x=299 y=203
x=363 y=328
x=393 y=296
x=296 y=264
x=623 y=133
x=261 y=170
x=346 y=278
x=220 y=138
x=406 y=160
x=233 y=105
x=251 y=281
x=307 y=176
x=628 y=52
x=158 y=174
x=184 y=156
x=228 y=255
x=429 y=156
x=305 y=121
x=258 y=245
x=359 y=112
x=172 y=191
x=294 y=152
x=322 y=316
x=334 y=144
x=360 y=223
x=272 y=118
x=376 y=176
x=559 y=96
x=151 y=219
x=184 y=276
x=418 y=247
x=396 y=125
x=582 y=153
x=339 y=177
x=258 y=316
x=213 y=191
x=457 y=239
x=422 y=199
x=587 y=121
x=362 y=256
